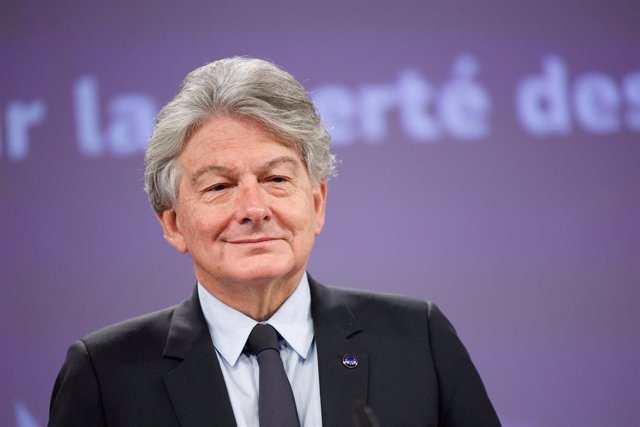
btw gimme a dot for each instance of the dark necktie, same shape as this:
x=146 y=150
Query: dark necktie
x=276 y=405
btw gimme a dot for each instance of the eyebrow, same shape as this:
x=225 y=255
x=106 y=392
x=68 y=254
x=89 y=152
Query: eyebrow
x=208 y=169
x=281 y=160
x=224 y=170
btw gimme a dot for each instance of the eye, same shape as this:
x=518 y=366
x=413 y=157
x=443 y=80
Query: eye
x=278 y=179
x=218 y=187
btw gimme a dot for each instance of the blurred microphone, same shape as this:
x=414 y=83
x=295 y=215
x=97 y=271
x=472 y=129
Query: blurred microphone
x=363 y=416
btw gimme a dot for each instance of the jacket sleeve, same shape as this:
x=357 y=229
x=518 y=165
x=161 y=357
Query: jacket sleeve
x=76 y=399
x=463 y=399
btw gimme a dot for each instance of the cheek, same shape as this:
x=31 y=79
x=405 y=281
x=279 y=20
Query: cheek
x=197 y=227
x=305 y=220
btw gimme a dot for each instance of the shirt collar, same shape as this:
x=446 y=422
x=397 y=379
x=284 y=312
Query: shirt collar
x=230 y=328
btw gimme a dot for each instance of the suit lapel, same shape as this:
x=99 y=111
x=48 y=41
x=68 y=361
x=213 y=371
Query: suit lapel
x=335 y=331
x=196 y=386
x=199 y=375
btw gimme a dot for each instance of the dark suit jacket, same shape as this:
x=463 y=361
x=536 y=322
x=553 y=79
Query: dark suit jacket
x=161 y=369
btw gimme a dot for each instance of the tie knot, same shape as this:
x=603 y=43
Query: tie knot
x=263 y=336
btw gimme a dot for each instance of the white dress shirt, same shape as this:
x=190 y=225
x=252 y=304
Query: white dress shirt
x=229 y=331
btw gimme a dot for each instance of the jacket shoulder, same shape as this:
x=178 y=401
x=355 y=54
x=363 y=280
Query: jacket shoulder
x=361 y=301
x=358 y=296
x=143 y=334
x=383 y=314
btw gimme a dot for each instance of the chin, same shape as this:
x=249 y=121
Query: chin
x=265 y=272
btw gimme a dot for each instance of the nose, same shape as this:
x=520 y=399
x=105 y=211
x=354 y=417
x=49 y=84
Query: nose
x=251 y=205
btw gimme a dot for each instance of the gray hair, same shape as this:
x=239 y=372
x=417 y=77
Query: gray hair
x=237 y=87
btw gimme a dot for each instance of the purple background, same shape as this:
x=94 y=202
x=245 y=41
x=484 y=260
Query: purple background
x=529 y=243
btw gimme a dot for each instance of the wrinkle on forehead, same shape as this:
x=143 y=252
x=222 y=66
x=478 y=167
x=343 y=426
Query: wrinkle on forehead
x=226 y=136
x=249 y=121
x=222 y=170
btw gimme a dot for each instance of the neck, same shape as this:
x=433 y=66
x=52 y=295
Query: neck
x=259 y=299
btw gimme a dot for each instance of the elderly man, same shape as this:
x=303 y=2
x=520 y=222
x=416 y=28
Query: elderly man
x=237 y=171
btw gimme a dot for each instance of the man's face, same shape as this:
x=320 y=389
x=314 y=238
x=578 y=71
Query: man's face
x=247 y=210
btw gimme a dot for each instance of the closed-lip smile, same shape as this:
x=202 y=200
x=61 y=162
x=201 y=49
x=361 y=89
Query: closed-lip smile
x=253 y=240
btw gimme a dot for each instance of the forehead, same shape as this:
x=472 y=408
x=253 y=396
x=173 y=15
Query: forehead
x=231 y=140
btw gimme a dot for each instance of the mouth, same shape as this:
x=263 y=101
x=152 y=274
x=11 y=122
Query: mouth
x=253 y=240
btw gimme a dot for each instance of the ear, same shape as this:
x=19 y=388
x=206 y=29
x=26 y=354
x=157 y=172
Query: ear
x=169 y=222
x=319 y=204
